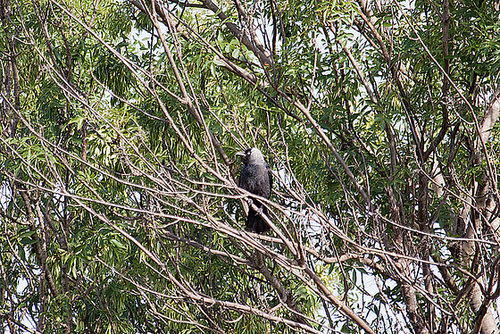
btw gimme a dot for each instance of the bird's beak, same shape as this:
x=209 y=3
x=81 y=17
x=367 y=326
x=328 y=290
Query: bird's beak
x=240 y=154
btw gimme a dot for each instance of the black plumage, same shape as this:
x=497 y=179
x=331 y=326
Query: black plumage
x=256 y=177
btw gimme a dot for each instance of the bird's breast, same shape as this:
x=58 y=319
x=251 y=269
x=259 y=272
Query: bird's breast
x=255 y=179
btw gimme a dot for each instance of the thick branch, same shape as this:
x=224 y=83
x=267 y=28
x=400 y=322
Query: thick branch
x=254 y=45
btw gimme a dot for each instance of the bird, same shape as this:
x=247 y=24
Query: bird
x=256 y=178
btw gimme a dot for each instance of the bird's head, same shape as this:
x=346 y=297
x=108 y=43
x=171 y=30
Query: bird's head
x=251 y=156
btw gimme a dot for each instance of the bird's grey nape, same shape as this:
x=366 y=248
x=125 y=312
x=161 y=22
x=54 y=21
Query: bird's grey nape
x=256 y=178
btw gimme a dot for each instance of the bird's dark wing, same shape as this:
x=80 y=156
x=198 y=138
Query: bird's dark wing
x=270 y=176
x=243 y=178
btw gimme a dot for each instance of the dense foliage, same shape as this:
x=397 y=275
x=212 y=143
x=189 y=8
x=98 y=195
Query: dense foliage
x=119 y=205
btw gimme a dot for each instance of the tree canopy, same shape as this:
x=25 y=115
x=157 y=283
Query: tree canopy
x=119 y=205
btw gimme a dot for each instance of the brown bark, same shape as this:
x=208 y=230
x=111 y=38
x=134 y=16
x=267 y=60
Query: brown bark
x=9 y=88
x=253 y=44
x=484 y=198
x=416 y=320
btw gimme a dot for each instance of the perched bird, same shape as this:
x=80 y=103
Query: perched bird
x=256 y=177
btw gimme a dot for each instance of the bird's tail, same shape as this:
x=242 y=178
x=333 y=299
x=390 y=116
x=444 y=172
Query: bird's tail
x=255 y=222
